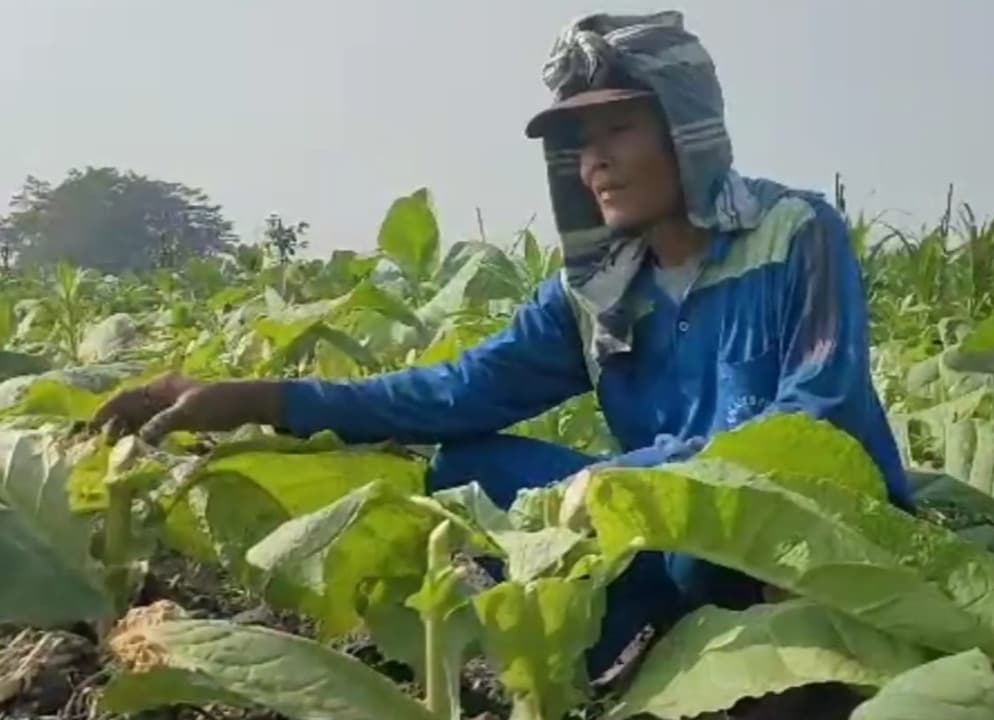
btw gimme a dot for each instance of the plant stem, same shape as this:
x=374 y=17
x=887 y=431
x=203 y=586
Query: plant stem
x=117 y=540
x=437 y=695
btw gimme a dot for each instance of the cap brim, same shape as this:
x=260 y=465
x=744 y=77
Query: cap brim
x=540 y=125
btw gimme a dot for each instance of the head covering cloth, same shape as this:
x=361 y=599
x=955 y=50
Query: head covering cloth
x=654 y=53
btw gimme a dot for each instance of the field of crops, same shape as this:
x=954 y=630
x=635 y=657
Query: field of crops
x=252 y=575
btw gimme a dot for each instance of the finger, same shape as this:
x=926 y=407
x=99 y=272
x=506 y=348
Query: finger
x=100 y=418
x=120 y=406
x=116 y=428
x=173 y=418
x=93 y=426
x=106 y=412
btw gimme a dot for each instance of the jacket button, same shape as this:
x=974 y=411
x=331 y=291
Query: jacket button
x=683 y=326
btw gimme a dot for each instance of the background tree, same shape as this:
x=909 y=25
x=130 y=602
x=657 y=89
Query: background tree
x=112 y=221
x=283 y=241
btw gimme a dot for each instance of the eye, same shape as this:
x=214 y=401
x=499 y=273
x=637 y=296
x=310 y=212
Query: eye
x=588 y=138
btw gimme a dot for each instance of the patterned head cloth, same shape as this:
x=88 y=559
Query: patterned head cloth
x=605 y=58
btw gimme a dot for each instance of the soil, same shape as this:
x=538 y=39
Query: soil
x=58 y=674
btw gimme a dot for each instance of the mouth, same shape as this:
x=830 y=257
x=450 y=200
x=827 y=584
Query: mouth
x=608 y=190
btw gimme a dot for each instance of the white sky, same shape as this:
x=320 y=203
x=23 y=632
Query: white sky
x=326 y=111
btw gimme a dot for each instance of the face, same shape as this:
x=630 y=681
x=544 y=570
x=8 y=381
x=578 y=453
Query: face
x=627 y=162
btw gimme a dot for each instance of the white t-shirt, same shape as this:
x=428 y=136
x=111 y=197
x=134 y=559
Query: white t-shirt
x=676 y=279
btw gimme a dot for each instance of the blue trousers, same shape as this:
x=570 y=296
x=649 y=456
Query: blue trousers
x=657 y=589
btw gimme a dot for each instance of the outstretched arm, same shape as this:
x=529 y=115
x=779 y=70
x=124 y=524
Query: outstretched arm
x=532 y=366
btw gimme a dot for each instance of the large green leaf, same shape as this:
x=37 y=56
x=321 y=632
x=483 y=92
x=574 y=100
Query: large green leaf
x=485 y=274
x=285 y=326
x=144 y=469
x=714 y=657
x=537 y=635
x=954 y=436
x=234 y=497
x=331 y=362
x=343 y=271
x=393 y=611
x=796 y=445
x=74 y=393
x=968 y=365
x=48 y=574
x=395 y=628
x=451 y=341
x=373 y=533
x=528 y=553
x=109 y=339
x=472 y=502
x=532 y=254
x=957 y=687
x=409 y=236
x=235 y=515
x=969 y=452
x=453 y=295
x=536 y=508
x=41 y=588
x=367 y=297
x=53 y=398
x=937 y=488
x=921 y=376
x=532 y=554
x=850 y=552
x=955 y=505
x=981 y=340
x=294 y=333
x=209 y=661
x=304 y=476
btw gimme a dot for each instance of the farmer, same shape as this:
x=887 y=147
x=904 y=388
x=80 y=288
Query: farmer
x=692 y=300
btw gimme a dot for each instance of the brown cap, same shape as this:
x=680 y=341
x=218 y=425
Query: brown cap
x=540 y=125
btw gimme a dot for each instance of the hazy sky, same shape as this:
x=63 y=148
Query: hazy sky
x=326 y=111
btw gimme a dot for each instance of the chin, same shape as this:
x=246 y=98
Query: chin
x=624 y=223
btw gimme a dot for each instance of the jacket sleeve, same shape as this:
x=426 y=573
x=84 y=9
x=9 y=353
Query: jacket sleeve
x=825 y=345
x=532 y=366
x=824 y=328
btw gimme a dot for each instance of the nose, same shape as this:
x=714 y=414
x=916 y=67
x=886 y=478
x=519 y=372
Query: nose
x=593 y=158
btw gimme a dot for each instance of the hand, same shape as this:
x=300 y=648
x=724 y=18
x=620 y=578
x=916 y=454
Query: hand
x=127 y=411
x=175 y=403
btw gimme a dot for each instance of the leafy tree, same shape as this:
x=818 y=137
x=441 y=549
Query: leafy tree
x=112 y=221
x=283 y=241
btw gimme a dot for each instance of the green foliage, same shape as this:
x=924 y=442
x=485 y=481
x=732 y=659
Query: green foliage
x=49 y=574
x=537 y=633
x=283 y=242
x=409 y=237
x=766 y=648
x=861 y=556
x=320 y=559
x=346 y=536
x=957 y=687
x=204 y=661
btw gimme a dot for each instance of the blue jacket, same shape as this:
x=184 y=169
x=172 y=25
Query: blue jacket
x=775 y=330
